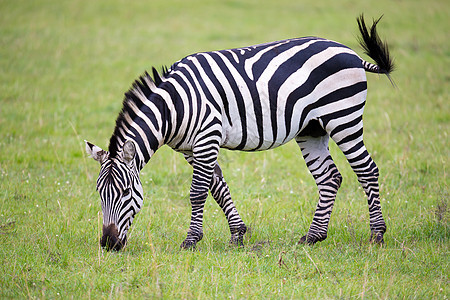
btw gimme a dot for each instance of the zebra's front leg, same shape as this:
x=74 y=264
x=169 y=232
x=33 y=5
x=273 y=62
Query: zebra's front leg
x=198 y=195
x=328 y=179
x=203 y=162
x=221 y=193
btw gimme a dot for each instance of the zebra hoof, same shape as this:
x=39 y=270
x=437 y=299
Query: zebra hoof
x=377 y=238
x=193 y=237
x=302 y=240
x=305 y=241
x=188 y=245
x=237 y=238
x=311 y=240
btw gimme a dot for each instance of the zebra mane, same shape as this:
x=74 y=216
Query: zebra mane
x=142 y=87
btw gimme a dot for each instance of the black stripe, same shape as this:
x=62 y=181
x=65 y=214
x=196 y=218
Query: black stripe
x=238 y=96
x=331 y=66
x=207 y=69
x=347 y=125
x=260 y=66
x=285 y=70
x=203 y=86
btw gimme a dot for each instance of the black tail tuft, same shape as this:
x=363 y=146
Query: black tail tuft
x=374 y=47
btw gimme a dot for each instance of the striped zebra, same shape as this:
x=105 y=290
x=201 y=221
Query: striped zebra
x=250 y=99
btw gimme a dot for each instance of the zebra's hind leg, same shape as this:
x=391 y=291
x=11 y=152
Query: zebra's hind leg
x=367 y=172
x=221 y=194
x=328 y=180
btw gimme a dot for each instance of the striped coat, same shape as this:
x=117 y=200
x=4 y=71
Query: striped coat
x=254 y=98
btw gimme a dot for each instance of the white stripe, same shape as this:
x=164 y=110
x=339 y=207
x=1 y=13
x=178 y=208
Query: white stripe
x=251 y=61
x=338 y=80
x=247 y=98
x=263 y=89
x=197 y=112
x=236 y=59
x=298 y=78
x=229 y=134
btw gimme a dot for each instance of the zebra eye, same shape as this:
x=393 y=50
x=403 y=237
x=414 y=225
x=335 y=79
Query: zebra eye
x=126 y=192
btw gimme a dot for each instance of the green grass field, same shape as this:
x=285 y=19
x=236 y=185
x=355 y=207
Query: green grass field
x=64 y=66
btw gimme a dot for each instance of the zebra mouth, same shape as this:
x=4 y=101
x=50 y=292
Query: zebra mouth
x=110 y=239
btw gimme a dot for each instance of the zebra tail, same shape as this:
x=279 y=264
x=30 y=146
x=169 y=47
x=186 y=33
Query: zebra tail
x=375 y=48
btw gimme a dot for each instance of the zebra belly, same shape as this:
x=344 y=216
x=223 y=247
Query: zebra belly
x=232 y=138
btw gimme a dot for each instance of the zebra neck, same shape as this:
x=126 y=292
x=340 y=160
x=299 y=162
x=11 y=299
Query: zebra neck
x=148 y=138
x=145 y=126
x=144 y=148
x=169 y=104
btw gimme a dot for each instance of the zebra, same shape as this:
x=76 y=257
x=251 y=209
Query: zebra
x=254 y=98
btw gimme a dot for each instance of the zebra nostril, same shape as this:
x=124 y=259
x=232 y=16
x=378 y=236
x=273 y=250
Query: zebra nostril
x=110 y=239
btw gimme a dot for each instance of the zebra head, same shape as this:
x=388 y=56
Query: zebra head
x=120 y=192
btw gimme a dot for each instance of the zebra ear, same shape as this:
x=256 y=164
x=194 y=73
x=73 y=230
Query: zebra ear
x=129 y=152
x=96 y=152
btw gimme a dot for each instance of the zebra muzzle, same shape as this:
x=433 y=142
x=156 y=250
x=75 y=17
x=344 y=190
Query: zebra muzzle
x=110 y=239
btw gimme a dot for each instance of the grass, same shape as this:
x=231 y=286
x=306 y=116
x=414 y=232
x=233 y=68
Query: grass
x=63 y=69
